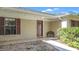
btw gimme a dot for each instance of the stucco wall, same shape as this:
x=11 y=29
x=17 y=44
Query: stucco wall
x=54 y=26
x=68 y=23
x=45 y=28
x=28 y=29
x=51 y=26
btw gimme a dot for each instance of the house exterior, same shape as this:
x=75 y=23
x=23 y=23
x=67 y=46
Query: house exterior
x=18 y=24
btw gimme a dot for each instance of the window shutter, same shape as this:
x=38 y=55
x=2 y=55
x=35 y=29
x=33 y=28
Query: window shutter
x=1 y=25
x=18 y=26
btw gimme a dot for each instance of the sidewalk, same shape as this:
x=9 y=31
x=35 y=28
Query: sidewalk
x=60 y=46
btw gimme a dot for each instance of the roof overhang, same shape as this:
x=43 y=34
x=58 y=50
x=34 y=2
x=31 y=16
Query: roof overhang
x=39 y=15
x=28 y=11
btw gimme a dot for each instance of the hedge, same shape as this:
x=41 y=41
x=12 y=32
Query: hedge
x=69 y=36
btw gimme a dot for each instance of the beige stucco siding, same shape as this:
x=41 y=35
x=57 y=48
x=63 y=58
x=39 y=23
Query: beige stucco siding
x=28 y=29
x=54 y=26
x=45 y=28
x=68 y=23
x=51 y=26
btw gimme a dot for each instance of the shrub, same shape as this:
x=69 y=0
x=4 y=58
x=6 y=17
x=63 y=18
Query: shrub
x=77 y=39
x=69 y=36
x=69 y=33
x=65 y=40
x=74 y=44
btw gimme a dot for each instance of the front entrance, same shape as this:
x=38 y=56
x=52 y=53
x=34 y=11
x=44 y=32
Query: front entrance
x=39 y=28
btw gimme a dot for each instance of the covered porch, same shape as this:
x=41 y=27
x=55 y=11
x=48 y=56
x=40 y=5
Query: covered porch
x=34 y=29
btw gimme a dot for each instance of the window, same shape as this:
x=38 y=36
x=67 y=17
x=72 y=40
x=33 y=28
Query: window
x=9 y=26
x=75 y=23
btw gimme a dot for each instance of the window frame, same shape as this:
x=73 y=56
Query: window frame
x=9 y=26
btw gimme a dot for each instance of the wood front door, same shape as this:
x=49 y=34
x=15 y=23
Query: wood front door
x=39 y=28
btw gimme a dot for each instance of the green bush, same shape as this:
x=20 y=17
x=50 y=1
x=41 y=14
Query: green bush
x=74 y=44
x=69 y=36
x=65 y=40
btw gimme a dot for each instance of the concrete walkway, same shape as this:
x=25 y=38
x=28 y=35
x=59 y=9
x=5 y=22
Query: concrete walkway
x=60 y=46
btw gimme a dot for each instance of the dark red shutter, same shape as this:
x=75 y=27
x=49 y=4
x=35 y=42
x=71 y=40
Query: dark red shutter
x=18 y=29
x=1 y=25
